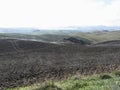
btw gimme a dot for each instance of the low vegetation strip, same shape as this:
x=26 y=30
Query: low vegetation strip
x=94 y=82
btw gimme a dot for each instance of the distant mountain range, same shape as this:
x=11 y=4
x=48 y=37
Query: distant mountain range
x=94 y=28
x=64 y=30
x=17 y=30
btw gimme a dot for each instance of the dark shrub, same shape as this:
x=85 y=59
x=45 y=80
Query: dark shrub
x=105 y=76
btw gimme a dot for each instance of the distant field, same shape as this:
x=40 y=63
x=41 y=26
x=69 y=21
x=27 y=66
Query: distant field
x=99 y=36
x=42 y=38
x=94 y=37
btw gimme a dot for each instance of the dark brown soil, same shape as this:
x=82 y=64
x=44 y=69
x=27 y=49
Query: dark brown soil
x=26 y=62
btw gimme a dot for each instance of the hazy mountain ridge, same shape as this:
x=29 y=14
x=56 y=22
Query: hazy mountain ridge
x=97 y=28
x=65 y=30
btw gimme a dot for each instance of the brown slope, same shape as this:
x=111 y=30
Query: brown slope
x=109 y=43
x=37 y=61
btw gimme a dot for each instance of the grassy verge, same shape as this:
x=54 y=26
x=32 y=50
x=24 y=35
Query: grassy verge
x=95 y=82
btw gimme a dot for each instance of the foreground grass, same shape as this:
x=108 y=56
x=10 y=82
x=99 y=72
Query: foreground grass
x=95 y=82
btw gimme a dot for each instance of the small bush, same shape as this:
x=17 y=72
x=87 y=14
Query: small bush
x=105 y=76
x=117 y=73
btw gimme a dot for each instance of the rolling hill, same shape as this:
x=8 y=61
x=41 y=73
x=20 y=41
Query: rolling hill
x=23 y=62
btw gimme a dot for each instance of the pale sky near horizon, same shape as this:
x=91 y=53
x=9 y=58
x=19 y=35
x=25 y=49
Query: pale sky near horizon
x=59 y=13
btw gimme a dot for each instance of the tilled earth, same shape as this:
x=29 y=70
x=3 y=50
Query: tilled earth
x=26 y=62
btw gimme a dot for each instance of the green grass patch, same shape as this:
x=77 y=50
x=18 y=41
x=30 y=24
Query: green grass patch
x=95 y=82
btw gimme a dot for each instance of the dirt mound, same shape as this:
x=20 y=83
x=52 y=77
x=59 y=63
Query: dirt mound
x=78 y=41
x=26 y=62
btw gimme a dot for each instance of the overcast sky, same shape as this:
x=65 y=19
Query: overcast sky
x=59 y=13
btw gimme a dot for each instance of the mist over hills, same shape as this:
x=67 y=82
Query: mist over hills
x=97 y=28
x=34 y=31
x=64 y=30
